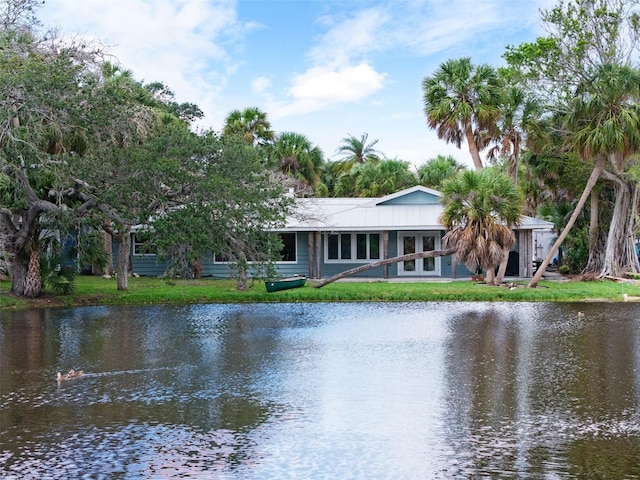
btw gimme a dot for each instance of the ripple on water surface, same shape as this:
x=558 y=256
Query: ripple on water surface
x=424 y=390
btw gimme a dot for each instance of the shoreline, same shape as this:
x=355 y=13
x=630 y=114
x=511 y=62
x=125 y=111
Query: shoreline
x=96 y=291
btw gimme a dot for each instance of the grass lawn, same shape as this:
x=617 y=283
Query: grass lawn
x=147 y=290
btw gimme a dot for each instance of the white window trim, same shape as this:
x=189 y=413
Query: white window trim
x=437 y=246
x=354 y=248
x=135 y=244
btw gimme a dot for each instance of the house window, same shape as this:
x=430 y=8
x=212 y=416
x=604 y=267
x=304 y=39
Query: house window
x=362 y=247
x=332 y=247
x=345 y=246
x=142 y=244
x=374 y=246
x=288 y=252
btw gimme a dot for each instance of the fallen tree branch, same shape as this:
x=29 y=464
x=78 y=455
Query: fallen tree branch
x=382 y=263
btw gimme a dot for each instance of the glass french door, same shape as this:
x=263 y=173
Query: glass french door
x=418 y=242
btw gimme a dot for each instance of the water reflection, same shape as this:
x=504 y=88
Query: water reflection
x=542 y=388
x=322 y=391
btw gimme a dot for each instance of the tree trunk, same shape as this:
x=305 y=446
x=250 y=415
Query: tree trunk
x=594 y=214
x=242 y=271
x=23 y=258
x=593 y=178
x=490 y=276
x=596 y=240
x=473 y=148
x=197 y=268
x=108 y=249
x=619 y=252
x=33 y=280
x=503 y=266
x=124 y=257
x=382 y=263
x=17 y=274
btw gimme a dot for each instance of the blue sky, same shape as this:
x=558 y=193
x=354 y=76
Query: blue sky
x=326 y=69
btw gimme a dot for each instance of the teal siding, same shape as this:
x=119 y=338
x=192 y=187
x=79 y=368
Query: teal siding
x=150 y=265
x=413 y=198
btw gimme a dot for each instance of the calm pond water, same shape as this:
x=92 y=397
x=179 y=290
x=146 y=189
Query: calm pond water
x=398 y=391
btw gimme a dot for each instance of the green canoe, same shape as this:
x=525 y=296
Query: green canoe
x=284 y=283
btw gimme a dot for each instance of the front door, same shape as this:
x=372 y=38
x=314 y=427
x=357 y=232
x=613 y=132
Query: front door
x=418 y=242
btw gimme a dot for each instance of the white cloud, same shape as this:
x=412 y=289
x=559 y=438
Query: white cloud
x=349 y=83
x=321 y=87
x=340 y=72
x=349 y=38
x=261 y=85
x=183 y=43
x=347 y=77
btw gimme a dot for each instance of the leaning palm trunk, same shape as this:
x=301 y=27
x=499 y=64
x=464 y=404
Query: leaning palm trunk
x=383 y=263
x=593 y=178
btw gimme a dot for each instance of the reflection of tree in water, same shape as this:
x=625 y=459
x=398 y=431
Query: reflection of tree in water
x=193 y=377
x=530 y=385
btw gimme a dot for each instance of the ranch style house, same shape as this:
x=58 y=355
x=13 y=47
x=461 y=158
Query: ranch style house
x=326 y=236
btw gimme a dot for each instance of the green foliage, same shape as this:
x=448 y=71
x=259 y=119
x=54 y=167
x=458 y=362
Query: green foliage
x=434 y=172
x=232 y=206
x=296 y=157
x=358 y=150
x=577 y=250
x=61 y=282
x=58 y=279
x=377 y=179
x=461 y=102
x=251 y=124
x=581 y=36
x=91 y=253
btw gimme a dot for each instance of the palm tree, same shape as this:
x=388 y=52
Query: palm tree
x=480 y=211
x=251 y=123
x=376 y=179
x=435 y=171
x=297 y=158
x=462 y=102
x=604 y=126
x=518 y=123
x=358 y=151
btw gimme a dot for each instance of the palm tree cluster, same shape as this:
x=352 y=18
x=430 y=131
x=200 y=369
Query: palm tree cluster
x=560 y=121
x=361 y=170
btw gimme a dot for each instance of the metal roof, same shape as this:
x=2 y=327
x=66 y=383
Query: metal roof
x=367 y=214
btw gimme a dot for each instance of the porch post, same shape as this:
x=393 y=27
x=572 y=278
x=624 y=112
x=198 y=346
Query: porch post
x=318 y=254
x=310 y=251
x=385 y=251
x=525 y=259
